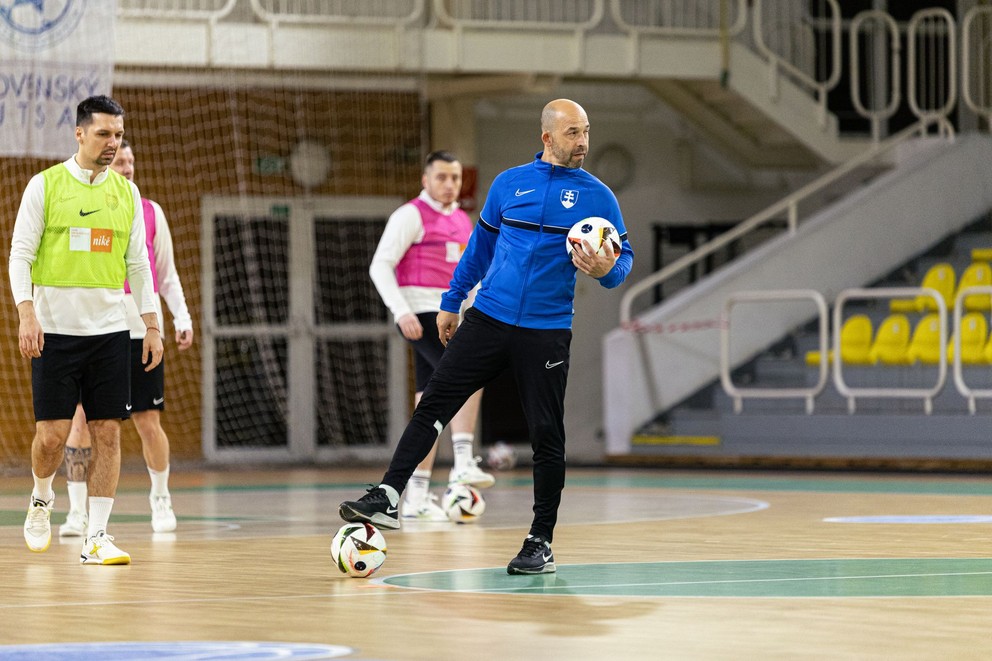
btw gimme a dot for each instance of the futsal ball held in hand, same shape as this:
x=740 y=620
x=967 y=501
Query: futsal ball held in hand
x=596 y=231
x=463 y=504
x=358 y=549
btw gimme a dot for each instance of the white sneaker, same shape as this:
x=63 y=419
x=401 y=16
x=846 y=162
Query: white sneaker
x=163 y=518
x=38 y=525
x=471 y=475
x=75 y=524
x=100 y=550
x=427 y=510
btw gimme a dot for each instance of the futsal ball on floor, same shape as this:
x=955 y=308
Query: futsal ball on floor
x=596 y=231
x=462 y=503
x=358 y=549
x=501 y=456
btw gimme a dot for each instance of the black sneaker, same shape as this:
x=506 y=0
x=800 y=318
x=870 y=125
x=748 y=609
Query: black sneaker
x=374 y=507
x=534 y=558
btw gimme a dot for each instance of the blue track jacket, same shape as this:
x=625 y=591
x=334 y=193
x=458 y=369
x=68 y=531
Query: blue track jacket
x=518 y=248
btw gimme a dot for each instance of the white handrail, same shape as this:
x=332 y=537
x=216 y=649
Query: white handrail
x=415 y=13
x=740 y=22
x=969 y=393
x=981 y=51
x=595 y=17
x=928 y=18
x=852 y=393
x=875 y=115
x=820 y=88
x=788 y=205
x=190 y=10
x=739 y=394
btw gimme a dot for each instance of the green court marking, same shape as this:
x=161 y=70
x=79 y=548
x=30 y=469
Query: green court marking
x=812 y=484
x=902 y=577
x=16 y=518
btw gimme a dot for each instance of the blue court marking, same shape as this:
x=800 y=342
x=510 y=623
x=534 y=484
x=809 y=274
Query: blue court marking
x=173 y=651
x=874 y=577
x=913 y=518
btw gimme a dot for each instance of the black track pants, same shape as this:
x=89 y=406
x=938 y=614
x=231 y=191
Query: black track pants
x=479 y=351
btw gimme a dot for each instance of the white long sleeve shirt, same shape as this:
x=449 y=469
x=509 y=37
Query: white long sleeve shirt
x=169 y=286
x=404 y=228
x=76 y=310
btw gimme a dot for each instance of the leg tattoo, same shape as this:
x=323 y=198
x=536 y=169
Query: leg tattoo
x=77 y=460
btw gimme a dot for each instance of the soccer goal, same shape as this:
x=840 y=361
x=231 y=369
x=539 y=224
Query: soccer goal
x=300 y=359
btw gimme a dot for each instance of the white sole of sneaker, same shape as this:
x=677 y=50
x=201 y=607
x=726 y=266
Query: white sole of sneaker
x=377 y=519
x=84 y=560
x=41 y=549
x=546 y=569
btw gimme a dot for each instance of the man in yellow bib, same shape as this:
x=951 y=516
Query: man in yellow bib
x=79 y=233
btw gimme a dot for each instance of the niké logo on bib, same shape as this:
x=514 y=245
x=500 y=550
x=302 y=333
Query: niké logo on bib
x=101 y=240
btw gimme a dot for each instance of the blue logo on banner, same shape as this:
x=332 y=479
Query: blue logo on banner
x=37 y=24
x=174 y=651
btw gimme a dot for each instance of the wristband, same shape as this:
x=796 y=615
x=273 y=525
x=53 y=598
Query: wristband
x=154 y=328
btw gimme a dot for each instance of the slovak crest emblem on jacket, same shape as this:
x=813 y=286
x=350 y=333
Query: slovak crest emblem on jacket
x=569 y=198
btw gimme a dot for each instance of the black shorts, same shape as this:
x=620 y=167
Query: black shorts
x=427 y=350
x=147 y=388
x=94 y=370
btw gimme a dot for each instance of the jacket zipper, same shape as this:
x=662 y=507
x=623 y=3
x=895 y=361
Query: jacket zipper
x=530 y=258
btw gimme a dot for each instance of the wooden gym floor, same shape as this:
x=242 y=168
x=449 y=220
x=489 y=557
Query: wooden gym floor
x=651 y=564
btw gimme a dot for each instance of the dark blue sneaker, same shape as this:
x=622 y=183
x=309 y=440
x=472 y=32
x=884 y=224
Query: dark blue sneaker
x=374 y=507
x=534 y=558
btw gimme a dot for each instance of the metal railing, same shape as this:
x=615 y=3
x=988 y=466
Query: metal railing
x=788 y=206
x=705 y=18
x=739 y=393
x=877 y=34
x=969 y=393
x=926 y=395
x=789 y=44
x=976 y=61
x=190 y=10
x=557 y=15
x=931 y=63
x=361 y=12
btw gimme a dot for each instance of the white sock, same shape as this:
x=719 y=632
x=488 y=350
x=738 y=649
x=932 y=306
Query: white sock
x=43 y=488
x=160 y=482
x=99 y=514
x=391 y=493
x=461 y=444
x=417 y=487
x=77 y=496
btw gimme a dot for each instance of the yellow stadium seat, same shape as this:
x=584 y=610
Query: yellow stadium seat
x=926 y=347
x=974 y=338
x=988 y=351
x=940 y=277
x=977 y=273
x=891 y=344
x=855 y=343
x=855 y=340
x=981 y=254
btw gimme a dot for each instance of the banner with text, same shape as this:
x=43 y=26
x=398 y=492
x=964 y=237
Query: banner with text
x=53 y=54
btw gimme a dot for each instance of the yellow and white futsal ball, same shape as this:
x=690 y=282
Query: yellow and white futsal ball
x=596 y=231
x=462 y=503
x=358 y=549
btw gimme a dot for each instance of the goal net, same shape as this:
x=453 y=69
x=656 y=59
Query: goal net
x=276 y=187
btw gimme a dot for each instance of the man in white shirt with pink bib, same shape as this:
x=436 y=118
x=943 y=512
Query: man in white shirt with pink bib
x=411 y=268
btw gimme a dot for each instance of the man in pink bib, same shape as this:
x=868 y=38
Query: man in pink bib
x=412 y=266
